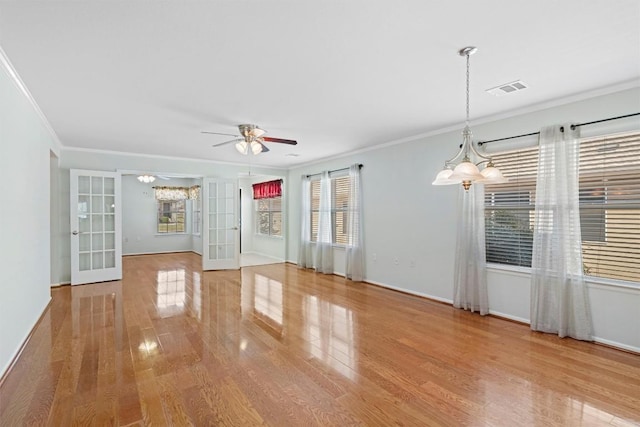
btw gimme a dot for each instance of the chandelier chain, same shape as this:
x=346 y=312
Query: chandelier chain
x=467 y=120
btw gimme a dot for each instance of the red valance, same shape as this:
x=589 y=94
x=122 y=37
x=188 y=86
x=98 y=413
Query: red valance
x=267 y=190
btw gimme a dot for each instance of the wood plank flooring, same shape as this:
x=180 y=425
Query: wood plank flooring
x=278 y=346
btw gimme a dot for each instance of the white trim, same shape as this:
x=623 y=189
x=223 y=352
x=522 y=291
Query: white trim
x=616 y=344
x=591 y=281
x=618 y=287
x=410 y=292
x=132 y=172
x=509 y=317
x=160 y=252
x=57 y=285
x=160 y=156
x=487 y=119
x=13 y=75
x=513 y=270
x=263 y=255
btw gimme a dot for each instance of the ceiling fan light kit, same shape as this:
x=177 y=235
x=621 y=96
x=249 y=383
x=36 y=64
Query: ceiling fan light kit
x=466 y=171
x=251 y=137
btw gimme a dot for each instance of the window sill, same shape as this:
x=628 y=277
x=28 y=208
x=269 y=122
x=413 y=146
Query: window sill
x=196 y=234
x=335 y=245
x=590 y=280
x=170 y=234
x=268 y=236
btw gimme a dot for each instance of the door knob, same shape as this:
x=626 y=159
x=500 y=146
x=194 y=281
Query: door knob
x=74 y=232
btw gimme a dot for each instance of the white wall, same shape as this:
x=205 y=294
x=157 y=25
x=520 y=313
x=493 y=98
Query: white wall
x=25 y=225
x=407 y=218
x=139 y=219
x=252 y=242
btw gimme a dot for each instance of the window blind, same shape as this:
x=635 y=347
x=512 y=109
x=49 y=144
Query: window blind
x=609 y=198
x=340 y=208
x=610 y=206
x=340 y=187
x=315 y=209
x=509 y=209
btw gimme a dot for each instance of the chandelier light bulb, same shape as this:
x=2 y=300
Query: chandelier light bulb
x=492 y=175
x=146 y=178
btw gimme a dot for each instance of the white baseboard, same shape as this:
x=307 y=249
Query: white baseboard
x=617 y=344
x=157 y=253
x=410 y=292
x=264 y=255
x=510 y=317
x=57 y=285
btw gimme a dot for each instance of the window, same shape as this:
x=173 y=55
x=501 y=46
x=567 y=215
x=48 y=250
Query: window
x=609 y=198
x=269 y=216
x=196 y=209
x=196 y=216
x=340 y=186
x=171 y=216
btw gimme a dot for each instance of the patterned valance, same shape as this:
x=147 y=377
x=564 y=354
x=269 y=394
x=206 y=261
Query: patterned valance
x=177 y=193
x=194 y=192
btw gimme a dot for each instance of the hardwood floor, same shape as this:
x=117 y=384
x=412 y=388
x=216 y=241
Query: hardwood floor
x=275 y=345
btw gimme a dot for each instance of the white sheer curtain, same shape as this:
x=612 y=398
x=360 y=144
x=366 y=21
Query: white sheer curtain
x=324 y=245
x=355 y=254
x=470 y=276
x=305 y=256
x=559 y=301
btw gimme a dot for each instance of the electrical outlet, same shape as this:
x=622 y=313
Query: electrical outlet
x=396 y=261
x=375 y=257
x=412 y=263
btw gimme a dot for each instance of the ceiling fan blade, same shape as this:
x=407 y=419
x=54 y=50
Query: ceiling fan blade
x=227 y=142
x=264 y=147
x=218 y=133
x=280 y=140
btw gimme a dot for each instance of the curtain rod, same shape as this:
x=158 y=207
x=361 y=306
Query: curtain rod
x=561 y=129
x=335 y=170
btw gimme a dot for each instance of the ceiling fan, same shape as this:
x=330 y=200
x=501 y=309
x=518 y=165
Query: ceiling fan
x=251 y=137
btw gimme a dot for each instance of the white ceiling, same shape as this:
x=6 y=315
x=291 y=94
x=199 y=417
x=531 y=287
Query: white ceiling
x=148 y=77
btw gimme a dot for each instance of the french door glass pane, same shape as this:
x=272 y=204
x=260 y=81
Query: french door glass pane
x=96 y=260
x=109 y=241
x=96 y=185
x=109 y=259
x=85 y=261
x=84 y=185
x=109 y=186
x=96 y=242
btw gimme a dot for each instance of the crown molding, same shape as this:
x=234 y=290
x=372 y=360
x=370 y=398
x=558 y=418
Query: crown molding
x=160 y=156
x=631 y=84
x=15 y=78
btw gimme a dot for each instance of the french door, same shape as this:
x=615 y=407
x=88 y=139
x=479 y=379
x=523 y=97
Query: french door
x=220 y=250
x=96 y=245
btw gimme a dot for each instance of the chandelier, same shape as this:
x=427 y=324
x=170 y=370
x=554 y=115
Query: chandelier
x=464 y=167
x=146 y=178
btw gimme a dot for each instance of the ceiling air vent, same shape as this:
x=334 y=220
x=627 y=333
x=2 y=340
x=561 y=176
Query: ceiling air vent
x=507 y=88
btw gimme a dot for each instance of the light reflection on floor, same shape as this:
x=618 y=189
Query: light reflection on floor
x=330 y=334
x=170 y=291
